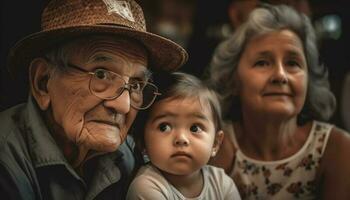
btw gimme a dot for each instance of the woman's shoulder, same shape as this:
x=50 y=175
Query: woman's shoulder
x=339 y=142
x=337 y=152
x=335 y=165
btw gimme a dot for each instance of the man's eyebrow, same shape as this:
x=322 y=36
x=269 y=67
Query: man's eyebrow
x=144 y=72
x=147 y=73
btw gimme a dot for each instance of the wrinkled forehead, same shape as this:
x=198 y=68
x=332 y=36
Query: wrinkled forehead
x=93 y=48
x=121 y=55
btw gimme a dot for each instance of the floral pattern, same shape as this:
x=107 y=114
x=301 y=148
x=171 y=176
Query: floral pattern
x=290 y=178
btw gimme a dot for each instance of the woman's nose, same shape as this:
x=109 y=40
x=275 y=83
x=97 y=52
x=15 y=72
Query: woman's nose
x=279 y=75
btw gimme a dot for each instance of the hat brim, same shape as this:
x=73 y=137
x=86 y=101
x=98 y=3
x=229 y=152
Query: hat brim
x=163 y=53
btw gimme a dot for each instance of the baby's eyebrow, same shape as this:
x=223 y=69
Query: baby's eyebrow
x=169 y=114
x=200 y=115
x=163 y=115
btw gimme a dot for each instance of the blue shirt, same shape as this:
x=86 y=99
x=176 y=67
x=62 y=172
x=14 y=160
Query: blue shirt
x=33 y=167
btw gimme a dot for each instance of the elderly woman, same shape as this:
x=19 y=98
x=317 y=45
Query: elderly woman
x=275 y=95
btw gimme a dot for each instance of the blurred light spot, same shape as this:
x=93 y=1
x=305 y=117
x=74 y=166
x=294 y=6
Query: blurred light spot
x=329 y=26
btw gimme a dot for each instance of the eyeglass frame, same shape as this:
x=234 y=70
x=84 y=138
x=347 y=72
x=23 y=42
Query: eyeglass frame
x=126 y=85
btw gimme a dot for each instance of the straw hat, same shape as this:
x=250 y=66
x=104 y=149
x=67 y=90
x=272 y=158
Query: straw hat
x=65 y=19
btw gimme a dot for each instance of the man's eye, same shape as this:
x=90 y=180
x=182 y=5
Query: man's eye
x=137 y=86
x=195 y=129
x=102 y=74
x=164 y=127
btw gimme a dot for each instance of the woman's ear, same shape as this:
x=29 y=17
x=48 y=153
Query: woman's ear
x=39 y=75
x=217 y=142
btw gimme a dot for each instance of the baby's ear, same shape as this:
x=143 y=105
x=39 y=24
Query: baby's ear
x=217 y=142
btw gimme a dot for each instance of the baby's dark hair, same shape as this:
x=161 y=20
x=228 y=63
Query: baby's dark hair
x=178 y=85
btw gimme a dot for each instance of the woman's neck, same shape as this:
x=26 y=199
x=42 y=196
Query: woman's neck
x=189 y=185
x=270 y=139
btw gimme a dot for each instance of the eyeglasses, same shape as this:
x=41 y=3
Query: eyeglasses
x=106 y=84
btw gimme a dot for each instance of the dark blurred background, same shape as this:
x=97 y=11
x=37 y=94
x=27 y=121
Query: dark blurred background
x=198 y=26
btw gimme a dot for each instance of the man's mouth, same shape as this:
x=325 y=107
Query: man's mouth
x=106 y=122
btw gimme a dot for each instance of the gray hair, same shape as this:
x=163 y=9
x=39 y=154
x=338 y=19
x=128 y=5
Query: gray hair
x=320 y=102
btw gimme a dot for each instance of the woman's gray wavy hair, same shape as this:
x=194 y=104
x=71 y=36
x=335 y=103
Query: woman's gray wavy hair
x=320 y=102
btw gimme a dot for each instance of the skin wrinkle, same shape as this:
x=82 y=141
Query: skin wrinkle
x=92 y=51
x=73 y=116
x=106 y=115
x=83 y=119
x=274 y=109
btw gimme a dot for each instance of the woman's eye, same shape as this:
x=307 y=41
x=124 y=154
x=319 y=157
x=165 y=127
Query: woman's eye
x=195 y=129
x=261 y=63
x=164 y=127
x=292 y=63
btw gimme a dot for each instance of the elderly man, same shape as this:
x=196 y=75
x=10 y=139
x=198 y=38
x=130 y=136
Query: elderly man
x=89 y=72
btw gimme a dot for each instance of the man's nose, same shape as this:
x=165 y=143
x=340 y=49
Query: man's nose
x=120 y=104
x=181 y=139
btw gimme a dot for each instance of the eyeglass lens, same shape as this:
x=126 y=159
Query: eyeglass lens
x=108 y=85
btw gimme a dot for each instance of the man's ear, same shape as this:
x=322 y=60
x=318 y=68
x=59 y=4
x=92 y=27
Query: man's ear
x=39 y=75
x=217 y=142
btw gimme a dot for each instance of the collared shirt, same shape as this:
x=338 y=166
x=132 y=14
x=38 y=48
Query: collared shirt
x=33 y=167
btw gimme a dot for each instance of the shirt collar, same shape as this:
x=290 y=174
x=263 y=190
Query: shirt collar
x=43 y=147
x=45 y=152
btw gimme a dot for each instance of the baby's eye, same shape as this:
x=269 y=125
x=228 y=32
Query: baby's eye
x=195 y=128
x=164 y=127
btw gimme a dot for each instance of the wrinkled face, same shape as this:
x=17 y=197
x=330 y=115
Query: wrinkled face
x=272 y=75
x=87 y=120
x=179 y=135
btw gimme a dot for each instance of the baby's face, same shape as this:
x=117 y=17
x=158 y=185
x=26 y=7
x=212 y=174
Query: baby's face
x=180 y=135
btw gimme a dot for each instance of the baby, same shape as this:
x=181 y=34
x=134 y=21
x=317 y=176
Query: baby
x=179 y=133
